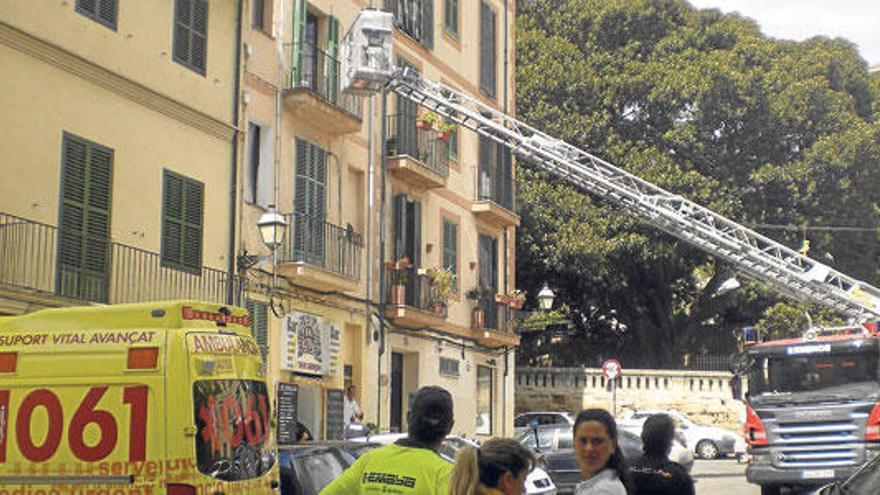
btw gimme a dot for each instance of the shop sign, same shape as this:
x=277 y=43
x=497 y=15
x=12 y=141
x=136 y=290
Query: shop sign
x=309 y=344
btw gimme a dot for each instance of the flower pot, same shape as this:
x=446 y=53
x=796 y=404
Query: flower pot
x=443 y=136
x=502 y=298
x=478 y=319
x=516 y=303
x=398 y=294
x=422 y=124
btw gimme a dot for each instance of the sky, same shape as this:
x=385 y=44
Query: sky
x=855 y=20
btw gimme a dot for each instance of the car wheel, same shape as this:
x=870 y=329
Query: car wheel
x=706 y=449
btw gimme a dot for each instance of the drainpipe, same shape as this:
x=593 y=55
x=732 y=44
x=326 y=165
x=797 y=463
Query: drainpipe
x=233 y=176
x=506 y=231
x=383 y=124
x=371 y=184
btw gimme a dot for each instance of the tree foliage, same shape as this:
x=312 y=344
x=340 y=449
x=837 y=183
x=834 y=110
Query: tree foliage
x=764 y=131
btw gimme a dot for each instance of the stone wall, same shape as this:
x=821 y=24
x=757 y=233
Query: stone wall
x=703 y=395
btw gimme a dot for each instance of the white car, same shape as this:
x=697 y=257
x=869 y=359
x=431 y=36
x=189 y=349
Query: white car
x=538 y=482
x=524 y=421
x=706 y=442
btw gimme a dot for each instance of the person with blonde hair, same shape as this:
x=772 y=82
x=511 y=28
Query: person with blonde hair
x=498 y=467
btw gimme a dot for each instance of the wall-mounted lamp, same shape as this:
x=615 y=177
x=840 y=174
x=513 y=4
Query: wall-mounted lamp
x=545 y=298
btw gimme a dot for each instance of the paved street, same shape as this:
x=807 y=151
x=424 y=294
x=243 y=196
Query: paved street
x=722 y=477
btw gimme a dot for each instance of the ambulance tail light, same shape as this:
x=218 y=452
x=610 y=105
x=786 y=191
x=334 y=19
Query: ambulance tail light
x=8 y=361
x=872 y=427
x=180 y=489
x=143 y=358
x=756 y=435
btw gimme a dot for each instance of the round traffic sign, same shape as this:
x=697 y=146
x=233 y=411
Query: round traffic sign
x=611 y=369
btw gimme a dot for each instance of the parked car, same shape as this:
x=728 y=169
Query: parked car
x=555 y=446
x=543 y=418
x=705 y=441
x=307 y=468
x=538 y=482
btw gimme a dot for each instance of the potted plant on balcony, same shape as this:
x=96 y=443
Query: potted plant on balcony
x=444 y=130
x=399 y=277
x=476 y=294
x=427 y=120
x=516 y=299
x=442 y=285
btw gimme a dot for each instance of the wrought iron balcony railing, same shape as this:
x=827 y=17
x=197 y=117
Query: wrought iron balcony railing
x=498 y=316
x=110 y=272
x=418 y=291
x=316 y=242
x=492 y=185
x=314 y=69
x=404 y=138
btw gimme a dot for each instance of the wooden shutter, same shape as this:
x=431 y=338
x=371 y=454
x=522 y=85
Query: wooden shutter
x=428 y=24
x=417 y=233
x=84 y=225
x=252 y=178
x=451 y=16
x=258 y=13
x=487 y=50
x=486 y=179
x=259 y=315
x=103 y=11
x=407 y=111
x=183 y=204
x=191 y=33
x=450 y=246
x=502 y=176
x=399 y=206
x=297 y=49
x=487 y=257
x=332 y=59
x=309 y=202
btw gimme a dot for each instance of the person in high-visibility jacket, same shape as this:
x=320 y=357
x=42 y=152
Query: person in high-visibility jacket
x=410 y=466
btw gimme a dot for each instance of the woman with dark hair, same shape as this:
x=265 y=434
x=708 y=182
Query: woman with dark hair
x=603 y=466
x=498 y=467
x=654 y=473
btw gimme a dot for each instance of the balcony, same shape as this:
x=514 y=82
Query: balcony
x=313 y=95
x=494 y=198
x=497 y=326
x=110 y=272
x=411 y=302
x=416 y=156
x=320 y=255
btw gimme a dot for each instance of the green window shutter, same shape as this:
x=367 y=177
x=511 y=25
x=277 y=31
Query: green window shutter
x=399 y=206
x=486 y=178
x=102 y=11
x=191 y=34
x=417 y=233
x=84 y=219
x=182 y=205
x=428 y=24
x=259 y=315
x=297 y=49
x=450 y=246
x=451 y=16
x=332 y=62
x=487 y=50
x=309 y=202
x=488 y=257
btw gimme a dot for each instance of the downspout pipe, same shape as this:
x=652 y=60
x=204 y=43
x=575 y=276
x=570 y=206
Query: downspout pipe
x=383 y=124
x=506 y=229
x=233 y=176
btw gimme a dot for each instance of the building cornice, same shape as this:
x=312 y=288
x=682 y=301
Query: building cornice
x=111 y=81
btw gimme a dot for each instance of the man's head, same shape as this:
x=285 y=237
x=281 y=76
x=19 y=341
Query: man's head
x=349 y=392
x=430 y=415
x=657 y=435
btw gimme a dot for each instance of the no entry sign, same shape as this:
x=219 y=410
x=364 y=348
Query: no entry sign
x=611 y=369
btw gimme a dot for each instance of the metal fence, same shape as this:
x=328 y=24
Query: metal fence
x=111 y=273
x=497 y=315
x=314 y=69
x=404 y=138
x=313 y=241
x=418 y=292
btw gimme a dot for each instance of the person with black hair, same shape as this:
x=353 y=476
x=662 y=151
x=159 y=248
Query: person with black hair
x=603 y=466
x=654 y=473
x=497 y=467
x=410 y=466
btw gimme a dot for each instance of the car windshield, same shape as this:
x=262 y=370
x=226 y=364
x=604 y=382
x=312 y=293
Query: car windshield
x=234 y=438
x=816 y=372
x=315 y=469
x=544 y=439
x=866 y=480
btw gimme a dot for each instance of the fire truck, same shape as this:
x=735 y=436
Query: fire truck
x=812 y=402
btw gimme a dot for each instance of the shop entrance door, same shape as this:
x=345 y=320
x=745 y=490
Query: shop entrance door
x=396 y=390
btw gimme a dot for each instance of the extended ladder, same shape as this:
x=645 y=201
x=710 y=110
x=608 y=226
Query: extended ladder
x=366 y=50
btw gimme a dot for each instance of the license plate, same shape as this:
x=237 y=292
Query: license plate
x=815 y=474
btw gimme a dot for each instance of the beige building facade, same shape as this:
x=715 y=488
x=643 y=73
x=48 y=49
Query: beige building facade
x=321 y=157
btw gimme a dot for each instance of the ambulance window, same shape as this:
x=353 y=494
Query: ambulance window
x=233 y=435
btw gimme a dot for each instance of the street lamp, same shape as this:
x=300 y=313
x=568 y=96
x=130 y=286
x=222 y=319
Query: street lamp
x=272 y=227
x=545 y=298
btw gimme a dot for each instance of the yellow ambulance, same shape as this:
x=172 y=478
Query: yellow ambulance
x=157 y=398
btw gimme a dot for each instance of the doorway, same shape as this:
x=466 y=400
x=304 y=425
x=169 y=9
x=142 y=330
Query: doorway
x=396 y=391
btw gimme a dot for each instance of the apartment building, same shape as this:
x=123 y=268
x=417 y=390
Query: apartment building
x=118 y=133
x=376 y=204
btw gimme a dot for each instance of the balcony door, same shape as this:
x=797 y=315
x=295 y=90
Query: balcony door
x=309 y=206
x=310 y=53
x=84 y=220
x=408 y=242
x=488 y=277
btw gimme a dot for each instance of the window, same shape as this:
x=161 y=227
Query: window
x=448 y=366
x=495 y=179
x=309 y=204
x=450 y=249
x=451 y=17
x=484 y=400
x=191 y=34
x=101 y=11
x=452 y=151
x=416 y=19
x=488 y=61
x=258 y=14
x=182 y=205
x=259 y=316
x=84 y=224
x=258 y=178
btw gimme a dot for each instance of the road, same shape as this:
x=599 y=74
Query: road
x=722 y=477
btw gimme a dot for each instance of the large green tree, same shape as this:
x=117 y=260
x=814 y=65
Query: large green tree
x=776 y=134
